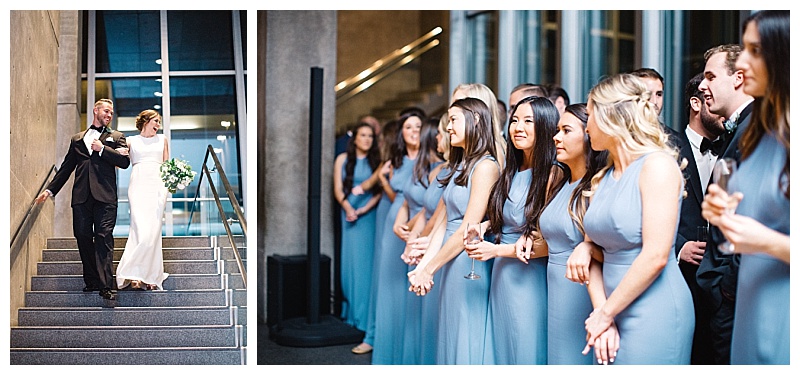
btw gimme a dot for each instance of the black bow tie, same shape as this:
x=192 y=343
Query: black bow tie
x=715 y=147
x=99 y=129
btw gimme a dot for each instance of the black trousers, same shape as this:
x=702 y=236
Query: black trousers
x=93 y=226
x=722 y=331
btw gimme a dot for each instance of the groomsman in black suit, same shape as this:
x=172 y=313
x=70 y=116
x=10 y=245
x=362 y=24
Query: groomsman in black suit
x=93 y=156
x=700 y=145
x=723 y=91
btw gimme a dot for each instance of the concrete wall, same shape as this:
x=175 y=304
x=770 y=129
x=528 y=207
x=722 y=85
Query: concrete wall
x=292 y=42
x=39 y=83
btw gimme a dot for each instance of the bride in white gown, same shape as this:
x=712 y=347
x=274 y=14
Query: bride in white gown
x=142 y=263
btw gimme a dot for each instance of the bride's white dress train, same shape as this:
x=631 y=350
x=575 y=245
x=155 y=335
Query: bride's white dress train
x=143 y=259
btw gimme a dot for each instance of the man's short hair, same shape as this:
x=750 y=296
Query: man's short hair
x=648 y=73
x=692 y=90
x=107 y=101
x=732 y=52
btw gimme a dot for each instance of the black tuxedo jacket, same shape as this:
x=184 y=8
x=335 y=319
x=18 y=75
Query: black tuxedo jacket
x=691 y=211
x=94 y=174
x=718 y=273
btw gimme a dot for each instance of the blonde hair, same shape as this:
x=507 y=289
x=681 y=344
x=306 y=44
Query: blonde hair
x=622 y=110
x=106 y=101
x=445 y=136
x=485 y=94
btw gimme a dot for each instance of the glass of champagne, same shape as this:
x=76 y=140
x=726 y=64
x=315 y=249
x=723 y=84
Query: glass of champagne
x=473 y=237
x=722 y=174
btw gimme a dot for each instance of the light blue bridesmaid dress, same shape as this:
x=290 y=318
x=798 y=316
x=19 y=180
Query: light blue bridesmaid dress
x=464 y=303
x=517 y=323
x=391 y=278
x=414 y=193
x=568 y=303
x=657 y=327
x=761 y=333
x=430 y=302
x=357 y=253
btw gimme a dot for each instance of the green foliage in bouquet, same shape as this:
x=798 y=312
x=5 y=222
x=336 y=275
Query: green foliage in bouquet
x=177 y=174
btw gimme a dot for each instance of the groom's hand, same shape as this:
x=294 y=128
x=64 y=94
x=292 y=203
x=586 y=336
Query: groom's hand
x=43 y=196
x=97 y=145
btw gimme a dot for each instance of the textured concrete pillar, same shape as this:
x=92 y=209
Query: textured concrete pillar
x=293 y=42
x=34 y=53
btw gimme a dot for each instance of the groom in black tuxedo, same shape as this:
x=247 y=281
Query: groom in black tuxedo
x=93 y=155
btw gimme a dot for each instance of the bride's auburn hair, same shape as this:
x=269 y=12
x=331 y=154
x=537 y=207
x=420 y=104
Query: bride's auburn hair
x=144 y=117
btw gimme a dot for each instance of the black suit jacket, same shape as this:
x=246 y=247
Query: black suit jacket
x=718 y=273
x=691 y=211
x=95 y=174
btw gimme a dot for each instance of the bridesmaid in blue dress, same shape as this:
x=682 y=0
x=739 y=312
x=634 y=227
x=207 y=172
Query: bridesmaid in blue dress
x=389 y=268
x=387 y=145
x=759 y=229
x=463 y=303
x=410 y=212
x=433 y=210
x=351 y=168
x=560 y=225
x=516 y=329
x=633 y=216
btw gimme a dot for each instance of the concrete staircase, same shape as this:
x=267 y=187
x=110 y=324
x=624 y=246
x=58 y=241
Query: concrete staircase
x=200 y=317
x=432 y=99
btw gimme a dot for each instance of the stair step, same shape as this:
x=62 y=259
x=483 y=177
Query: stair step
x=170 y=266
x=127 y=316
x=123 y=337
x=137 y=356
x=119 y=242
x=126 y=298
x=51 y=283
x=175 y=253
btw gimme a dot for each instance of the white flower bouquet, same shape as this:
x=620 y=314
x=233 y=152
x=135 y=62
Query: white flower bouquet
x=176 y=174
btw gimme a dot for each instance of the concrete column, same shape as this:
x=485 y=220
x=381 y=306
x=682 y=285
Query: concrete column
x=293 y=42
x=34 y=53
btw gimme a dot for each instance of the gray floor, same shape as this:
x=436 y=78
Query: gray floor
x=270 y=353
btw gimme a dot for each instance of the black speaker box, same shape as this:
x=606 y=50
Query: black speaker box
x=287 y=287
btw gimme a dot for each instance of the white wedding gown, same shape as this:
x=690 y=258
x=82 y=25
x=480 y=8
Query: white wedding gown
x=143 y=259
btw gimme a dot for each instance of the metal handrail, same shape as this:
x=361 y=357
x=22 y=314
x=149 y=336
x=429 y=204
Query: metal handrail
x=234 y=203
x=391 y=62
x=32 y=205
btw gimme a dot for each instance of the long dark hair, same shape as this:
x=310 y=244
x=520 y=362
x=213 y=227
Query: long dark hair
x=400 y=144
x=478 y=140
x=545 y=120
x=373 y=158
x=595 y=161
x=771 y=111
x=427 y=150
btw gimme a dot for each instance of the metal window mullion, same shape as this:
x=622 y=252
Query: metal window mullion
x=91 y=65
x=165 y=101
x=241 y=100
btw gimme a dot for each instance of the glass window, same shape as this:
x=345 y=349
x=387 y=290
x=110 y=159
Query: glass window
x=611 y=44
x=200 y=40
x=482 y=48
x=128 y=41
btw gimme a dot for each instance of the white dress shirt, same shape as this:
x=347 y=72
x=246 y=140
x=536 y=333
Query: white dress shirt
x=705 y=161
x=89 y=137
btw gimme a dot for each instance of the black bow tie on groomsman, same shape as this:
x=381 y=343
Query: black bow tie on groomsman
x=100 y=129
x=715 y=147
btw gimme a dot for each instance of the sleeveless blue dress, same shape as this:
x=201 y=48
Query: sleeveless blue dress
x=357 y=253
x=414 y=193
x=463 y=303
x=391 y=279
x=761 y=333
x=380 y=212
x=658 y=326
x=568 y=303
x=430 y=302
x=517 y=322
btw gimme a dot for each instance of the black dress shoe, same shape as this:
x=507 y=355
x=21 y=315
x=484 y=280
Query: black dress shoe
x=91 y=289
x=108 y=294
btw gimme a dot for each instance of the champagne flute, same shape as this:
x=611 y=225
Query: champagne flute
x=722 y=174
x=473 y=237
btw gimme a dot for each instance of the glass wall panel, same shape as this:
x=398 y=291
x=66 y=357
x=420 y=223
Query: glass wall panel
x=200 y=40
x=128 y=41
x=482 y=49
